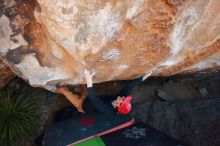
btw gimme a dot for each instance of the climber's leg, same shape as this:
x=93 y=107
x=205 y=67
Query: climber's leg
x=82 y=90
x=83 y=94
x=74 y=99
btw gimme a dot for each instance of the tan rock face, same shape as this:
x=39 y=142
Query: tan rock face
x=5 y=74
x=49 y=41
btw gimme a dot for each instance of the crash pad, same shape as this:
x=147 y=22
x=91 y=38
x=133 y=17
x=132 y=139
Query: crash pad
x=97 y=141
x=83 y=127
x=139 y=134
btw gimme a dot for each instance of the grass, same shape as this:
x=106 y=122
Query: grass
x=19 y=116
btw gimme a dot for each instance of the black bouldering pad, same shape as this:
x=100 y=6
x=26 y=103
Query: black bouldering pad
x=139 y=134
x=82 y=127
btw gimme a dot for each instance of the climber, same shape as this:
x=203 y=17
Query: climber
x=110 y=105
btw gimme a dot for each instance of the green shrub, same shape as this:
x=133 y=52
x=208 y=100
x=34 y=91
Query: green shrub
x=19 y=116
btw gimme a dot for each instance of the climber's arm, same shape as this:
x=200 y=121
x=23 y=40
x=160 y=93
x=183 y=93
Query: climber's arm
x=126 y=91
x=99 y=104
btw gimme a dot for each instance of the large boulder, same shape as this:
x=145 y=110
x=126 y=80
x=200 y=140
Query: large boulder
x=48 y=42
x=195 y=123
